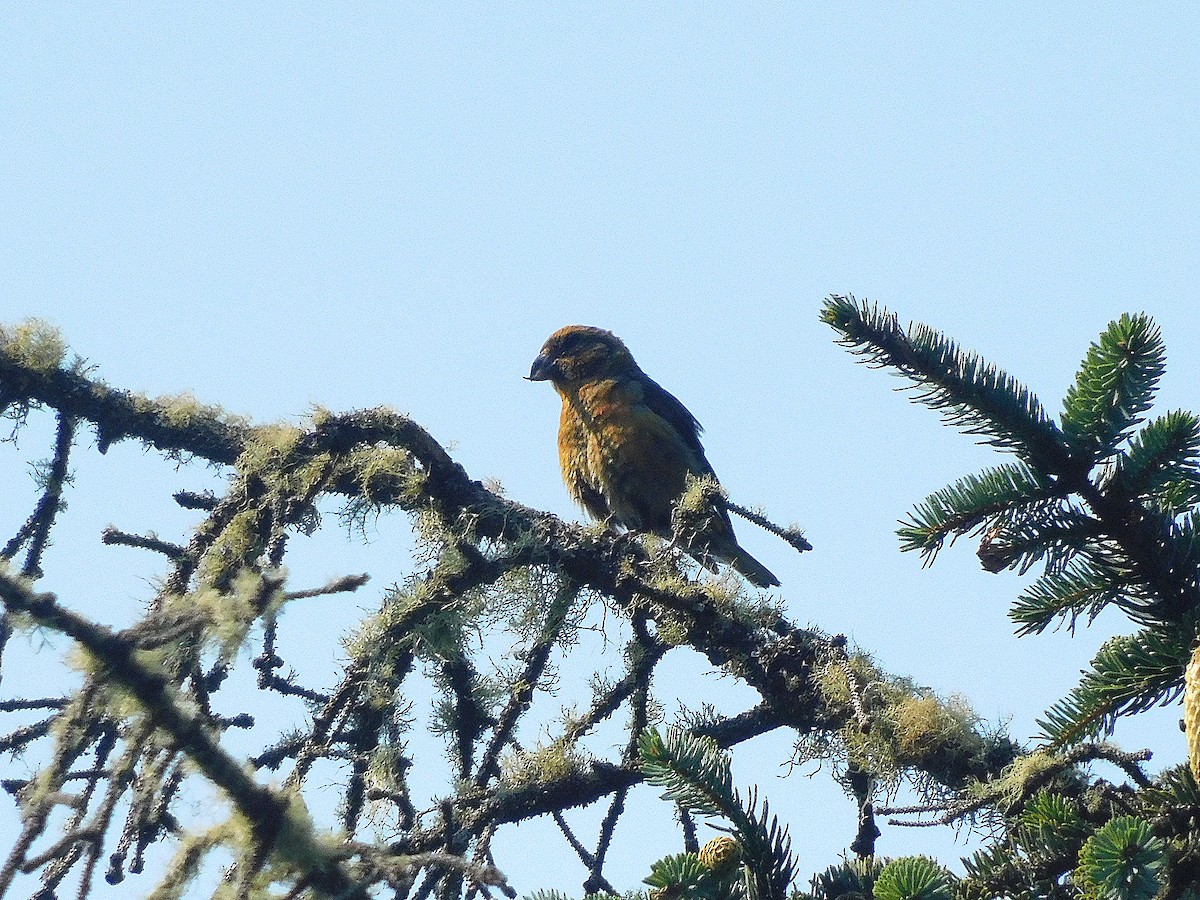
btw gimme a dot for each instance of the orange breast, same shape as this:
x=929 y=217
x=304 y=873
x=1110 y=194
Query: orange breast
x=620 y=459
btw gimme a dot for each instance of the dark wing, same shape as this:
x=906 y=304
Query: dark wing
x=721 y=542
x=664 y=404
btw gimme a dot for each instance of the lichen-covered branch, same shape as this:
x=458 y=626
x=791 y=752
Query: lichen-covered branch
x=489 y=566
x=267 y=811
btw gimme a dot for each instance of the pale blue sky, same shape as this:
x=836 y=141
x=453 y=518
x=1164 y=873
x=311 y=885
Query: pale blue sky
x=352 y=204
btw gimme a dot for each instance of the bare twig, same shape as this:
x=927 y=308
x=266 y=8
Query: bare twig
x=792 y=536
x=112 y=535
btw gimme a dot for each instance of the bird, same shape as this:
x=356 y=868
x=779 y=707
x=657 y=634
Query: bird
x=628 y=448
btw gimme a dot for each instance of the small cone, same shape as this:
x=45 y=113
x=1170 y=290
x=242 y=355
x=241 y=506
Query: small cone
x=1191 y=711
x=720 y=853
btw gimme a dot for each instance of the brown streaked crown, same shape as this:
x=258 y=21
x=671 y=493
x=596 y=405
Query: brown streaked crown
x=576 y=354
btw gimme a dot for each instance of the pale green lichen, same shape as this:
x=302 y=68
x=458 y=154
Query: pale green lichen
x=68 y=729
x=439 y=635
x=370 y=632
x=239 y=544
x=300 y=846
x=300 y=478
x=384 y=470
x=298 y=850
x=386 y=768
x=530 y=599
x=833 y=679
x=270 y=455
x=185 y=864
x=924 y=725
x=1013 y=782
x=320 y=416
x=542 y=764
x=19 y=620
x=34 y=344
x=663 y=573
x=672 y=632
x=725 y=594
x=273 y=441
x=184 y=411
x=400 y=604
x=382 y=642
x=700 y=496
x=431 y=532
x=106 y=694
x=891 y=724
x=229 y=612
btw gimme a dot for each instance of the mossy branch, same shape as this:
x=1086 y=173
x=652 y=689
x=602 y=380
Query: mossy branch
x=224 y=580
x=267 y=811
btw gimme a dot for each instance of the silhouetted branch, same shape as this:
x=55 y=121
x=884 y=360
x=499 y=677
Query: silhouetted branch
x=36 y=530
x=111 y=535
x=227 y=580
x=258 y=804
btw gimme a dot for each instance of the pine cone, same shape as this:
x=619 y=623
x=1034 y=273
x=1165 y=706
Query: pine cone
x=720 y=853
x=1191 y=711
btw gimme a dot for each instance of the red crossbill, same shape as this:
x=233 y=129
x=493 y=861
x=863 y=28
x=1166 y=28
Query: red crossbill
x=627 y=446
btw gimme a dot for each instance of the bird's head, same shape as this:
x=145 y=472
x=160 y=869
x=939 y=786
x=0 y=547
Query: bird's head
x=576 y=354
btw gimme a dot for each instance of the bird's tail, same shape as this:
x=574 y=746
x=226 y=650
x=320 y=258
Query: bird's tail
x=753 y=571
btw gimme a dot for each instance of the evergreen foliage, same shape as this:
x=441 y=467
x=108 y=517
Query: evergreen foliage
x=913 y=878
x=1110 y=509
x=969 y=392
x=851 y=879
x=1115 y=385
x=695 y=774
x=1123 y=860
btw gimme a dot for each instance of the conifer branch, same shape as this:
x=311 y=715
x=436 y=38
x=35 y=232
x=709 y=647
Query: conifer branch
x=1006 y=491
x=259 y=805
x=1160 y=465
x=53 y=477
x=1113 y=513
x=1129 y=674
x=1014 y=790
x=792 y=536
x=1115 y=385
x=378 y=459
x=114 y=536
x=1085 y=588
x=970 y=394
